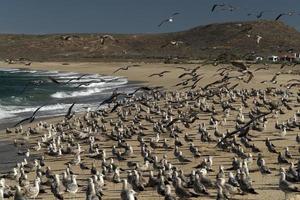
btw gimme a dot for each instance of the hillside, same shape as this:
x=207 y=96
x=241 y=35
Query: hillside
x=236 y=38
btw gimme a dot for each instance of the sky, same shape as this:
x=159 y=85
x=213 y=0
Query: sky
x=131 y=16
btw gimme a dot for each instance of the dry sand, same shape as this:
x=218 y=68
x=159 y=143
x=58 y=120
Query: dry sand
x=265 y=185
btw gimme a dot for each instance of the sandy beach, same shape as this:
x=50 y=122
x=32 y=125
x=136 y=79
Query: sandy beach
x=265 y=185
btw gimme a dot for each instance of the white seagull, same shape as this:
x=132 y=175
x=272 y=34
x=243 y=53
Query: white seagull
x=170 y=19
x=258 y=38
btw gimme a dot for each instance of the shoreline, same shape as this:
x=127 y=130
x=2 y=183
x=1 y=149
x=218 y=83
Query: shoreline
x=9 y=124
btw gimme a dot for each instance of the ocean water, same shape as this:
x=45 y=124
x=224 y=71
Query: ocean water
x=19 y=96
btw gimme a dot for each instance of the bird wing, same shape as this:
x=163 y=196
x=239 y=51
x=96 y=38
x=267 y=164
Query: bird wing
x=153 y=75
x=33 y=114
x=163 y=72
x=239 y=65
x=293 y=85
x=70 y=109
x=173 y=121
x=280 y=15
x=214 y=7
x=141 y=88
x=282 y=65
x=250 y=77
x=53 y=80
x=23 y=120
x=115 y=107
x=182 y=75
x=181 y=68
x=162 y=22
x=117 y=70
x=261 y=68
x=82 y=76
x=246 y=125
x=165 y=45
x=274 y=77
x=260 y=14
x=78 y=78
x=176 y=13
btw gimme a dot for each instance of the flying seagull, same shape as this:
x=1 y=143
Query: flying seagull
x=54 y=80
x=69 y=113
x=159 y=74
x=170 y=19
x=125 y=68
x=110 y=99
x=77 y=78
x=243 y=128
x=145 y=88
x=259 y=14
x=282 y=14
x=217 y=5
x=105 y=37
x=31 y=118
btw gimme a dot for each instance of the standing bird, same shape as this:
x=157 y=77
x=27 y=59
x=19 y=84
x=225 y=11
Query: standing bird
x=258 y=38
x=170 y=19
x=127 y=194
x=18 y=194
x=286 y=186
x=72 y=187
x=168 y=195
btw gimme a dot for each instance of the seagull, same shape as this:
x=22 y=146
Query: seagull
x=243 y=128
x=77 y=78
x=18 y=194
x=217 y=5
x=282 y=14
x=127 y=194
x=33 y=191
x=31 y=118
x=159 y=74
x=286 y=186
x=69 y=113
x=170 y=19
x=54 y=80
x=125 y=68
x=110 y=99
x=91 y=193
x=183 y=192
x=168 y=195
x=72 y=187
x=105 y=37
x=144 y=88
x=56 y=188
x=258 y=38
x=259 y=14
x=173 y=43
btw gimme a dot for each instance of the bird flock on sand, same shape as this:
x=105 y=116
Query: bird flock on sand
x=197 y=140
x=165 y=141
